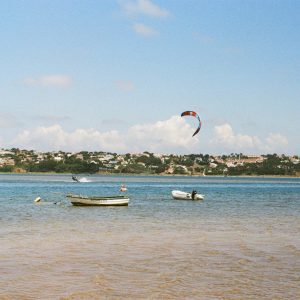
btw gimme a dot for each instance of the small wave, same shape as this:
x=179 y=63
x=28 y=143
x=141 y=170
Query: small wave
x=84 y=179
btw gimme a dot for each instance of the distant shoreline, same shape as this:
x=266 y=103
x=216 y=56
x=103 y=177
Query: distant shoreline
x=149 y=175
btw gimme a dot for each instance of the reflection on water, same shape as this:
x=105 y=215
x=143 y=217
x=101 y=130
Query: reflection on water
x=241 y=242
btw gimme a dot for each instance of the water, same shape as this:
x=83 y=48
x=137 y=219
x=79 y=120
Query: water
x=241 y=242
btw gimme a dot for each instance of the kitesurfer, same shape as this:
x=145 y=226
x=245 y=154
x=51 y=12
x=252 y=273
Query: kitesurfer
x=75 y=178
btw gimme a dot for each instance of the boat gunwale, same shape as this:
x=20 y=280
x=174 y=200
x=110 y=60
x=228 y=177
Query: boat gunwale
x=102 y=204
x=97 y=198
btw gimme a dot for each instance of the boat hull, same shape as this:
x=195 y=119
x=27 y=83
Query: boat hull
x=179 y=195
x=78 y=200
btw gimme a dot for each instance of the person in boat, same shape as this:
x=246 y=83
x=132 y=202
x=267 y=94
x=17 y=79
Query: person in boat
x=194 y=194
x=123 y=188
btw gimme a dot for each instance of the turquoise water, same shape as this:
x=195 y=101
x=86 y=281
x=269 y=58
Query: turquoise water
x=241 y=242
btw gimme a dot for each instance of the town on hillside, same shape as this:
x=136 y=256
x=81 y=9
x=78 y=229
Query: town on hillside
x=24 y=161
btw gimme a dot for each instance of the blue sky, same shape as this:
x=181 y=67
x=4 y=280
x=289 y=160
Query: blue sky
x=115 y=75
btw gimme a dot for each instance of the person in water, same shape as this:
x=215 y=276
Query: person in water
x=194 y=194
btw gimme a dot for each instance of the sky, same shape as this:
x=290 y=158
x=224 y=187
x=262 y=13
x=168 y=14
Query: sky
x=115 y=75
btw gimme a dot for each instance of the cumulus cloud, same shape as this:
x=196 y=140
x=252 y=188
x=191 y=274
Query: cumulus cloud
x=164 y=136
x=145 y=7
x=144 y=30
x=276 y=142
x=170 y=136
x=226 y=137
x=54 y=137
x=173 y=135
x=227 y=140
x=49 y=80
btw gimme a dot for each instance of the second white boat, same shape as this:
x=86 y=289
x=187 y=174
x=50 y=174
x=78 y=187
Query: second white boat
x=179 y=195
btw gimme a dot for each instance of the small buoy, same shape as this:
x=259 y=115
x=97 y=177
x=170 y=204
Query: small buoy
x=38 y=199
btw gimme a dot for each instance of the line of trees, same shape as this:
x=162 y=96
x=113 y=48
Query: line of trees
x=148 y=163
x=69 y=165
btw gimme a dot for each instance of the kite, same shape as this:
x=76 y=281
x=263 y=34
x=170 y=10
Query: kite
x=193 y=114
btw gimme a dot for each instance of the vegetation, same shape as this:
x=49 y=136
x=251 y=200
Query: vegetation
x=235 y=164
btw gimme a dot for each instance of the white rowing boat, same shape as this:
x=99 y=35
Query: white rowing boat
x=79 y=200
x=179 y=195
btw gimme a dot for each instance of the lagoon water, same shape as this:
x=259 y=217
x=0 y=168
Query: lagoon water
x=241 y=242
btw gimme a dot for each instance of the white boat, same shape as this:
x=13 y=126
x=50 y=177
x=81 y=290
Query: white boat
x=79 y=200
x=179 y=195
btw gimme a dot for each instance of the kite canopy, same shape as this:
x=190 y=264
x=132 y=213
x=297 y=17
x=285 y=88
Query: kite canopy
x=193 y=114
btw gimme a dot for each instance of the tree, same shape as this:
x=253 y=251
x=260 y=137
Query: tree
x=179 y=170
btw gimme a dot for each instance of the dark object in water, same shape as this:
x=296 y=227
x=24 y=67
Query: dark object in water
x=194 y=194
x=75 y=178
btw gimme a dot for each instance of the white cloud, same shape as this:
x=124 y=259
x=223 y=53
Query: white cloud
x=277 y=139
x=276 y=142
x=227 y=140
x=145 y=7
x=164 y=136
x=169 y=136
x=225 y=136
x=144 y=30
x=55 y=138
x=49 y=80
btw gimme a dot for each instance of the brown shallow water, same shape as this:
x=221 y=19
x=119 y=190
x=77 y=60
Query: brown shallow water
x=148 y=251
x=223 y=260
